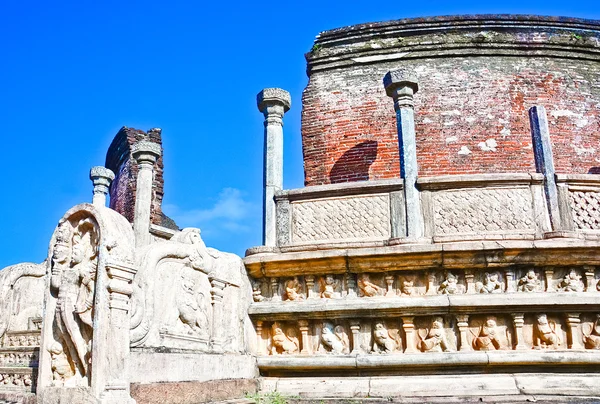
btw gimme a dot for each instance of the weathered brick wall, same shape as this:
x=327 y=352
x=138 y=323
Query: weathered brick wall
x=471 y=108
x=123 y=188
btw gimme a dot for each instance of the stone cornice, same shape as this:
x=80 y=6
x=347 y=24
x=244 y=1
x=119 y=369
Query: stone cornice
x=470 y=35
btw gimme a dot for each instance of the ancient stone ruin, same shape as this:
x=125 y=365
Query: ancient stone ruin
x=446 y=245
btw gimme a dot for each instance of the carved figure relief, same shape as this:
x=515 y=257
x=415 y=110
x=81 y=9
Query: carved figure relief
x=546 y=335
x=73 y=280
x=193 y=307
x=591 y=337
x=490 y=284
x=488 y=339
x=284 y=342
x=61 y=367
x=571 y=282
x=450 y=286
x=435 y=337
x=293 y=290
x=334 y=339
x=257 y=292
x=407 y=287
x=384 y=340
x=530 y=282
x=329 y=287
x=368 y=288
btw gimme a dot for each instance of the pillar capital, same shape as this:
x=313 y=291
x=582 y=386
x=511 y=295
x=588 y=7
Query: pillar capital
x=101 y=177
x=145 y=152
x=270 y=97
x=401 y=85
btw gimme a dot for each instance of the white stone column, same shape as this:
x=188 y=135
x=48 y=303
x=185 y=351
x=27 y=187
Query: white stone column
x=544 y=161
x=519 y=339
x=355 y=329
x=260 y=346
x=101 y=177
x=119 y=288
x=273 y=103
x=409 y=330
x=574 y=334
x=146 y=154
x=303 y=326
x=401 y=85
x=217 y=293
x=462 y=321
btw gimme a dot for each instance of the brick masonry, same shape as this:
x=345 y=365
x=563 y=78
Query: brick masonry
x=471 y=108
x=123 y=188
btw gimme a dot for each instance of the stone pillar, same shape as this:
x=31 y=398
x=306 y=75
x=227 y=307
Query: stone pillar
x=303 y=326
x=401 y=85
x=518 y=321
x=470 y=279
x=573 y=322
x=510 y=281
x=273 y=103
x=462 y=321
x=101 y=178
x=590 y=279
x=146 y=154
x=544 y=161
x=549 y=275
x=275 y=296
x=351 y=285
x=431 y=289
x=389 y=280
x=409 y=331
x=355 y=328
x=310 y=286
x=216 y=293
x=260 y=346
x=116 y=389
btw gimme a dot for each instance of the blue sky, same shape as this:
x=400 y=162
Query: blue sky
x=74 y=72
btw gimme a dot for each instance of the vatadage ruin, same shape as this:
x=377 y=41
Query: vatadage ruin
x=446 y=245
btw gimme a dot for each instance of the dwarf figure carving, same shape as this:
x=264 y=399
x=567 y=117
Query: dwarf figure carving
x=257 y=292
x=487 y=339
x=530 y=282
x=571 y=282
x=328 y=286
x=192 y=306
x=384 y=341
x=368 y=288
x=293 y=289
x=546 y=333
x=61 y=368
x=407 y=287
x=435 y=339
x=592 y=337
x=450 y=286
x=335 y=340
x=490 y=284
x=283 y=342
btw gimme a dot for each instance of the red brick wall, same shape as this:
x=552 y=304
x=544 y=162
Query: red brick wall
x=123 y=188
x=349 y=126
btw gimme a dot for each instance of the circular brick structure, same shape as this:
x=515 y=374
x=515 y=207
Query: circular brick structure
x=478 y=76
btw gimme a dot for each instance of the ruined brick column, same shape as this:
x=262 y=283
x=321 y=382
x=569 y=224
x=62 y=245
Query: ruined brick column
x=401 y=85
x=101 y=178
x=145 y=154
x=273 y=103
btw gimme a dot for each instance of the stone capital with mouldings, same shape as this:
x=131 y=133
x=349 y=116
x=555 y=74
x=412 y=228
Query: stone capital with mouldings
x=100 y=174
x=146 y=152
x=273 y=97
x=401 y=85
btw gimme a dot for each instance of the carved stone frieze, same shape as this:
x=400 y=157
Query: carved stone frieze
x=386 y=339
x=284 y=340
x=334 y=339
x=341 y=219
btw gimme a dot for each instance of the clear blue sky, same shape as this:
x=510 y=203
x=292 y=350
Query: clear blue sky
x=74 y=72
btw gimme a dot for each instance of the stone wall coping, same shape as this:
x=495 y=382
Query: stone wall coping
x=375 y=307
x=578 y=179
x=162 y=232
x=456 y=255
x=345 y=189
x=449 y=359
x=479 y=180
